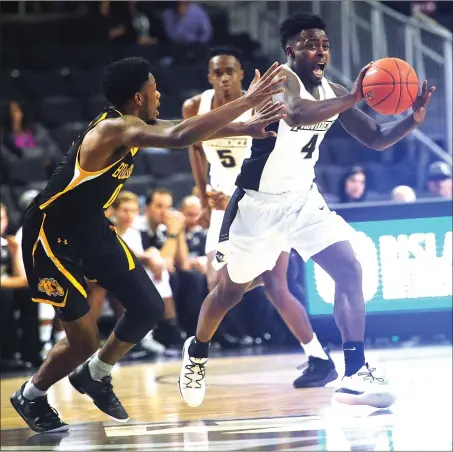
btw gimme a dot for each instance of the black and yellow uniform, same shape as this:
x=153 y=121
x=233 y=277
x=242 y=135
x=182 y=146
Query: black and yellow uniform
x=67 y=238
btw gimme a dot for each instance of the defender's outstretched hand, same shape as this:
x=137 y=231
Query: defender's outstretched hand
x=421 y=102
x=263 y=88
x=269 y=113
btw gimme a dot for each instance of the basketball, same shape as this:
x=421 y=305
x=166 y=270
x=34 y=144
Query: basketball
x=390 y=86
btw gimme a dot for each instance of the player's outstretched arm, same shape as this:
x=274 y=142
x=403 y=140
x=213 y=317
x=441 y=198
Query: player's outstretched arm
x=199 y=128
x=381 y=136
x=197 y=156
x=306 y=112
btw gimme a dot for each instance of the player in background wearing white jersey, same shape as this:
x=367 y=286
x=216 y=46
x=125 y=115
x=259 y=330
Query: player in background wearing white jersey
x=225 y=157
x=277 y=203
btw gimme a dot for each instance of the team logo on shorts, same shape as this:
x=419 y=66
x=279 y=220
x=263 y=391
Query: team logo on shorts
x=220 y=257
x=50 y=287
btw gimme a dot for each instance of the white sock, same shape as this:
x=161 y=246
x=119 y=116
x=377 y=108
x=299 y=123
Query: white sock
x=45 y=333
x=314 y=348
x=98 y=369
x=31 y=392
x=59 y=335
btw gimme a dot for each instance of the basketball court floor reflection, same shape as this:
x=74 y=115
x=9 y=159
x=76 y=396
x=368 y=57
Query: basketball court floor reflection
x=251 y=406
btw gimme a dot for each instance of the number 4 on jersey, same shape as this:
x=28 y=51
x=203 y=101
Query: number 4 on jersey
x=310 y=147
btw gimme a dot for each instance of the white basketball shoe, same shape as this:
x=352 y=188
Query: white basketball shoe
x=192 y=377
x=364 y=388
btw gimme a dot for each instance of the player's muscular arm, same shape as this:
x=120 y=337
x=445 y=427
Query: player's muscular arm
x=197 y=157
x=369 y=132
x=304 y=111
x=135 y=133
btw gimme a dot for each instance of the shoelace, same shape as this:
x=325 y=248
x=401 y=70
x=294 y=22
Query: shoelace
x=44 y=410
x=308 y=366
x=369 y=375
x=195 y=376
x=107 y=390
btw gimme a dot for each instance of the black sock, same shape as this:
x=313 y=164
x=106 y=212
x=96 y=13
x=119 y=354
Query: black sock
x=198 y=349
x=354 y=357
x=171 y=322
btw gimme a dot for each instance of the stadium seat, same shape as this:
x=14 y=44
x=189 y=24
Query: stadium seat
x=85 y=83
x=90 y=56
x=29 y=169
x=94 y=106
x=166 y=162
x=41 y=84
x=180 y=185
x=67 y=133
x=10 y=83
x=59 y=110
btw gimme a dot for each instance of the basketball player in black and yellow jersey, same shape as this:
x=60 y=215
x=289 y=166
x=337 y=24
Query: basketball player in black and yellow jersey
x=67 y=238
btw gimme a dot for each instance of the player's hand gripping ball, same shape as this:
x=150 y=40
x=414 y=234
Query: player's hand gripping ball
x=390 y=86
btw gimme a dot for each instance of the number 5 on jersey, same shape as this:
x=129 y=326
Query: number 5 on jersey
x=310 y=147
x=226 y=158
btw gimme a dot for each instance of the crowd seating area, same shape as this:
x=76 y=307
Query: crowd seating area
x=51 y=71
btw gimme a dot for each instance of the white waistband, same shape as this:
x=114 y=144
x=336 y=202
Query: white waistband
x=280 y=197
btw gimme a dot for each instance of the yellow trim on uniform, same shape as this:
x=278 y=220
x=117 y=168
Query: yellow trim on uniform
x=57 y=262
x=61 y=304
x=83 y=174
x=130 y=259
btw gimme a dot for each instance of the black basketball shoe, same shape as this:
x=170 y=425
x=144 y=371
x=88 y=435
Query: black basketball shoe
x=37 y=413
x=316 y=373
x=101 y=392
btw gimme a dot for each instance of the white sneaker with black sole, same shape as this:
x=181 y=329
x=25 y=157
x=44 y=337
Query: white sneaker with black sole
x=191 y=381
x=364 y=388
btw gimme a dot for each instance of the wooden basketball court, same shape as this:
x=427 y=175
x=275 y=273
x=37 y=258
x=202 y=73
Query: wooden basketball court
x=251 y=405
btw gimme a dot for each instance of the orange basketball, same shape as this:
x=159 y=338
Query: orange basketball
x=390 y=86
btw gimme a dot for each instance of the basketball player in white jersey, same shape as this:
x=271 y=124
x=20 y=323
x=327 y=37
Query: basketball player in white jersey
x=277 y=204
x=225 y=158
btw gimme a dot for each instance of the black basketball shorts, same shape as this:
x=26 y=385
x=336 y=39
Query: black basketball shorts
x=57 y=266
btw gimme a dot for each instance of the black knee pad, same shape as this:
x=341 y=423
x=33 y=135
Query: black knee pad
x=137 y=322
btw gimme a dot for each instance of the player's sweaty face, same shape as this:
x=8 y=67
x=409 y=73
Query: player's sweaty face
x=312 y=54
x=152 y=100
x=225 y=74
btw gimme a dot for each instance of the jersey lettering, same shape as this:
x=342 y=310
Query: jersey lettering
x=113 y=197
x=123 y=171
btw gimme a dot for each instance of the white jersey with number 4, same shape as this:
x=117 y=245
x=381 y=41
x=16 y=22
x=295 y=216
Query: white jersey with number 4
x=225 y=155
x=287 y=163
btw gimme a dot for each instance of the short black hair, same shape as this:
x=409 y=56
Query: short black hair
x=292 y=26
x=153 y=191
x=226 y=50
x=124 y=78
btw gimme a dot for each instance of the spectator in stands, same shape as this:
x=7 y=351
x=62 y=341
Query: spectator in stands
x=187 y=23
x=12 y=278
x=439 y=181
x=403 y=193
x=353 y=185
x=164 y=237
x=141 y=24
x=20 y=133
x=195 y=234
x=165 y=231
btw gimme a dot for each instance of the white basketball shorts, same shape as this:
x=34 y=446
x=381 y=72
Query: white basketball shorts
x=257 y=227
x=212 y=239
